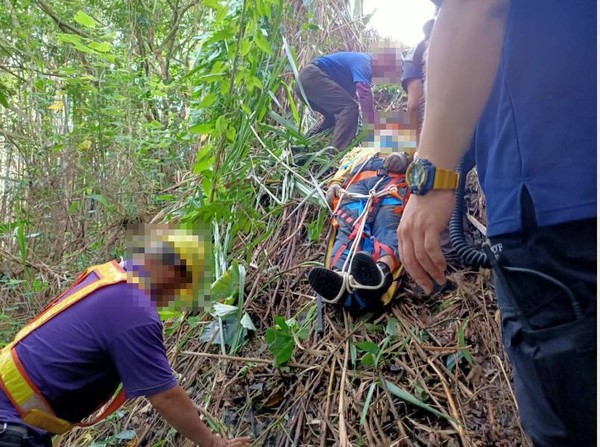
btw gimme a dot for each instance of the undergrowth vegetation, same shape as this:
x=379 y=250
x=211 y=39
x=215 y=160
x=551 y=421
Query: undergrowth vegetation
x=118 y=112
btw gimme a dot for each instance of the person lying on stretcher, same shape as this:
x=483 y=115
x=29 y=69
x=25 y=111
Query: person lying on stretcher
x=367 y=194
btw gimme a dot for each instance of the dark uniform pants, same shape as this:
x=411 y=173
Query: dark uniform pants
x=338 y=107
x=15 y=435
x=552 y=350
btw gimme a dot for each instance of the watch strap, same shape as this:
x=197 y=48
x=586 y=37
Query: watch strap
x=445 y=179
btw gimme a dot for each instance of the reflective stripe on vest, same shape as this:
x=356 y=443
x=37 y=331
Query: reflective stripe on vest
x=22 y=392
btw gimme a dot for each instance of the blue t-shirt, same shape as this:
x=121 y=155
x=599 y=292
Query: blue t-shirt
x=347 y=68
x=538 y=129
x=79 y=357
x=412 y=64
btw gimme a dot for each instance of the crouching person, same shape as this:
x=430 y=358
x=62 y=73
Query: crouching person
x=367 y=194
x=103 y=337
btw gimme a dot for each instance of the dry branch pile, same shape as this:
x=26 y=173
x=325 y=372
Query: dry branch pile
x=439 y=378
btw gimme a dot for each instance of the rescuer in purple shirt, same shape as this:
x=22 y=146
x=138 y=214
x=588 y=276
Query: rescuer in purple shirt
x=114 y=335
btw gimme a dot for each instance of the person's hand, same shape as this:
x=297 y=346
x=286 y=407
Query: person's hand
x=334 y=191
x=423 y=219
x=234 y=442
x=396 y=162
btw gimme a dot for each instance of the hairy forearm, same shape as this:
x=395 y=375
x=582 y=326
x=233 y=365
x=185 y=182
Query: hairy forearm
x=178 y=410
x=464 y=56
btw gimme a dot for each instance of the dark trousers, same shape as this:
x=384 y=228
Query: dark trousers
x=549 y=332
x=338 y=107
x=15 y=435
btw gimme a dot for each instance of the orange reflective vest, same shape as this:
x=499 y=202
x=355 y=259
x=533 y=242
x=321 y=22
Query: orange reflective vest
x=22 y=392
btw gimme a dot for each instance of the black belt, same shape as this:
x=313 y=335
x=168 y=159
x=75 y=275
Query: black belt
x=16 y=429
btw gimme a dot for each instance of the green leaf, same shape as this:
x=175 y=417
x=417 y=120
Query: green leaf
x=202 y=128
x=208 y=100
x=221 y=124
x=392 y=327
x=261 y=42
x=73 y=207
x=365 y=410
x=83 y=19
x=226 y=284
x=281 y=323
x=407 y=397
x=213 y=4
x=102 y=47
x=230 y=133
x=281 y=345
x=205 y=159
x=166 y=314
x=245 y=47
x=368 y=346
x=367 y=360
x=3 y=99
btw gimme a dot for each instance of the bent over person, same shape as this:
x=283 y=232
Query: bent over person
x=103 y=337
x=368 y=194
x=330 y=84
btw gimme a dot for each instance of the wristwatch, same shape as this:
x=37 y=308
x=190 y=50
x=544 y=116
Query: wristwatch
x=422 y=176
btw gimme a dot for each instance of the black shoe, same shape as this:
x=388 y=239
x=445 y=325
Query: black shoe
x=365 y=270
x=325 y=282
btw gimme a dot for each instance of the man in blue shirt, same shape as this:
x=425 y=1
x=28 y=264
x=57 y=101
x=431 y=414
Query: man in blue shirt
x=522 y=75
x=330 y=85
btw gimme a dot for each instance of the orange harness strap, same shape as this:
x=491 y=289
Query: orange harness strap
x=363 y=175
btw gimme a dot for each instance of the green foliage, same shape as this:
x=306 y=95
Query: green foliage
x=373 y=352
x=407 y=397
x=235 y=69
x=280 y=339
x=281 y=342
x=463 y=353
x=97 y=116
x=8 y=327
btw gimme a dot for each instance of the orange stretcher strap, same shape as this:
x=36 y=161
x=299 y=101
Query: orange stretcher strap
x=370 y=174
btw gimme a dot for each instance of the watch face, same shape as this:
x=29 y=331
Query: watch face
x=416 y=176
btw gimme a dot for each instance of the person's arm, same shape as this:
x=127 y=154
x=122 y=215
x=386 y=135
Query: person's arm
x=414 y=88
x=365 y=98
x=464 y=56
x=178 y=410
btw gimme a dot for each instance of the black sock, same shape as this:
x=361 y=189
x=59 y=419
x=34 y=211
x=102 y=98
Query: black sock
x=384 y=268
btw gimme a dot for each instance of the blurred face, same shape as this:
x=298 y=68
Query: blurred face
x=165 y=281
x=386 y=66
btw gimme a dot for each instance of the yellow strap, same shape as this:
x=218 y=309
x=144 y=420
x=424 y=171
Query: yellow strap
x=46 y=421
x=20 y=391
x=109 y=273
x=445 y=179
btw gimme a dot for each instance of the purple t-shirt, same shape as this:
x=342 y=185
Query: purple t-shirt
x=79 y=357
